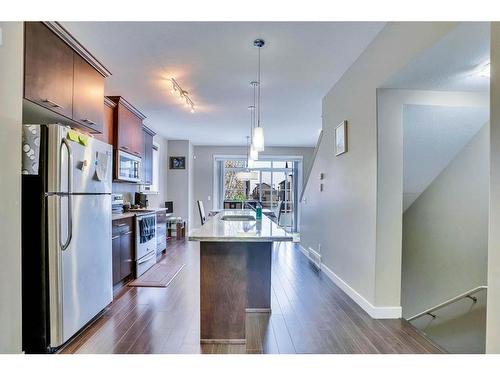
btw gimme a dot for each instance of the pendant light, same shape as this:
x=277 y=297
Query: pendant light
x=247 y=175
x=254 y=153
x=258 y=131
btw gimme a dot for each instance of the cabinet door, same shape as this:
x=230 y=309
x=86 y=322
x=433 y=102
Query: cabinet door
x=88 y=95
x=116 y=241
x=107 y=130
x=127 y=254
x=129 y=131
x=147 y=159
x=48 y=69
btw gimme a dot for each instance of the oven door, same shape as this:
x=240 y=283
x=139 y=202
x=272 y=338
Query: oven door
x=145 y=263
x=128 y=167
x=145 y=241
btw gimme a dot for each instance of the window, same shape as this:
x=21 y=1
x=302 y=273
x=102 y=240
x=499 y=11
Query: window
x=275 y=187
x=154 y=188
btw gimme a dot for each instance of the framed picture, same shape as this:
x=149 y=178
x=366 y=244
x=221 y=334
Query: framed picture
x=341 y=138
x=177 y=162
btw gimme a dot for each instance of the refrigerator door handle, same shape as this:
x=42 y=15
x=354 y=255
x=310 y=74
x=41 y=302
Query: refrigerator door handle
x=65 y=245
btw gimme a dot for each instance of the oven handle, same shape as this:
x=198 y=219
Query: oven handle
x=146 y=257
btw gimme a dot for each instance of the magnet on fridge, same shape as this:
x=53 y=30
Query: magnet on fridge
x=72 y=136
x=83 y=139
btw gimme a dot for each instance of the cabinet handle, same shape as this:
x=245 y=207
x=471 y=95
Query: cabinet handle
x=125 y=147
x=53 y=104
x=121 y=225
x=137 y=153
x=128 y=232
x=115 y=237
x=86 y=120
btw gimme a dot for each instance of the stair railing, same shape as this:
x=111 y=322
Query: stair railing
x=469 y=294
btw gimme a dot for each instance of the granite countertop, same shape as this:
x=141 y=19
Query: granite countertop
x=127 y=214
x=216 y=229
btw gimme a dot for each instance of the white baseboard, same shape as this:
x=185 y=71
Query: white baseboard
x=376 y=312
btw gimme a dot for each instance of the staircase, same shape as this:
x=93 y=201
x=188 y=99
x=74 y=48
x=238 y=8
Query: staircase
x=458 y=325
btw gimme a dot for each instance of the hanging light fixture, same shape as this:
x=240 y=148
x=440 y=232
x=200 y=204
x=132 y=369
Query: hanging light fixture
x=252 y=154
x=258 y=131
x=247 y=175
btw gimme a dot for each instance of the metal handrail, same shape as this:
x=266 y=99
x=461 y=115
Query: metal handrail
x=306 y=180
x=467 y=294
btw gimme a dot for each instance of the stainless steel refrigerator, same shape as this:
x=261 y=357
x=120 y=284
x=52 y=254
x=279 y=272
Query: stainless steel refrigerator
x=67 y=254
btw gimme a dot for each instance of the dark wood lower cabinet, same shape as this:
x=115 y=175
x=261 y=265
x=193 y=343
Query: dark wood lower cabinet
x=123 y=249
x=126 y=254
x=116 y=258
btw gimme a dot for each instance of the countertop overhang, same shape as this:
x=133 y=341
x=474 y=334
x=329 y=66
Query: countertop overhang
x=263 y=230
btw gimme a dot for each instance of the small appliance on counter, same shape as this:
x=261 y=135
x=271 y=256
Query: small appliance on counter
x=117 y=203
x=169 y=207
x=141 y=200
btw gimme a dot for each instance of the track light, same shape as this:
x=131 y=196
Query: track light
x=183 y=95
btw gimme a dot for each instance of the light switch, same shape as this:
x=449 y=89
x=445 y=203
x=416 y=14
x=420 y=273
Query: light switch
x=209 y=197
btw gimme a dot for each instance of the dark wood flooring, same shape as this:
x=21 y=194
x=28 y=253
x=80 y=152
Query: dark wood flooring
x=310 y=314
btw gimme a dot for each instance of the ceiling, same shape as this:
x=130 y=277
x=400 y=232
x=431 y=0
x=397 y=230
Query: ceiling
x=451 y=63
x=215 y=62
x=432 y=137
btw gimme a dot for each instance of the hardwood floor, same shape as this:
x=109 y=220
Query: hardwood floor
x=309 y=315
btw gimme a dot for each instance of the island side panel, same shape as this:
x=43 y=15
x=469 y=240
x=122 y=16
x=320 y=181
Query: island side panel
x=222 y=292
x=259 y=276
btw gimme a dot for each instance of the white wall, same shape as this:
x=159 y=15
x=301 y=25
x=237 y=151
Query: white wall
x=445 y=245
x=11 y=93
x=390 y=103
x=203 y=177
x=343 y=217
x=179 y=181
x=493 y=310
x=158 y=200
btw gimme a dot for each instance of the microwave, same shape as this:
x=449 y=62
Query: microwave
x=128 y=167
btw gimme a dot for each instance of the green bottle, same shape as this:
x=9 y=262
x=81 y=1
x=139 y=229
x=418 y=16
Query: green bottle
x=258 y=212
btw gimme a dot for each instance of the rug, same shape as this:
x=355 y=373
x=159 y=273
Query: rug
x=159 y=276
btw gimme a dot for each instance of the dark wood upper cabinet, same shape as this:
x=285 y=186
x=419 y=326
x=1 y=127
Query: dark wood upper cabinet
x=88 y=94
x=147 y=160
x=63 y=82
x=48 y=69
x=127 y=130
x=107 y=129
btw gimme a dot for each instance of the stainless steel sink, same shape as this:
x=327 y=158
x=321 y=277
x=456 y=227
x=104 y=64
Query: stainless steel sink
x=238 y=218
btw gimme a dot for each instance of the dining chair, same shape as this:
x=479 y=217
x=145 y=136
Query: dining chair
x=202 y=212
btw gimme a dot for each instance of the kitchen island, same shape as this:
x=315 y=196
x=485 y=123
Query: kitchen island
x=235 y=272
